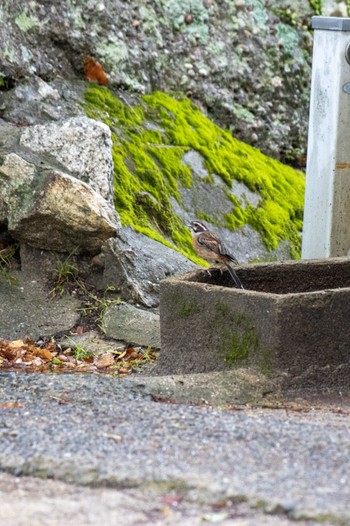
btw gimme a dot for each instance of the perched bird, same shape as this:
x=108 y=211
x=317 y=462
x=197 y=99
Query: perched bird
x=210 y=247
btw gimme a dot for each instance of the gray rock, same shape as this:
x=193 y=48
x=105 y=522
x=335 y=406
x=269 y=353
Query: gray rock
x=34 y=101
x=51 y=210
x=92 y=342
x=130 y=324
x=136 y=264
x=82 y=146
x=335 y=8
x=26 y=310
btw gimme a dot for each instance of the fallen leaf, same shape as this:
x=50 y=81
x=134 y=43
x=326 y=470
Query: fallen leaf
x=94 y=71
x=125 y=370
x=51 y=346
x=44 y=354
x=16 y=344
x=62 y=358
x=10 y=405
x=9 y=354
x=104 y=360
x=56 y=361
x=37 y=362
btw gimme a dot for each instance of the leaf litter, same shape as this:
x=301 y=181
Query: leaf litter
x=48 y=355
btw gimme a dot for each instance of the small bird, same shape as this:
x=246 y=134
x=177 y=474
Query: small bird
x=210 y=247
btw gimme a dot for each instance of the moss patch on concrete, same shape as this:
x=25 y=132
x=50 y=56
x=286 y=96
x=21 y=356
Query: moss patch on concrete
x=149 y=141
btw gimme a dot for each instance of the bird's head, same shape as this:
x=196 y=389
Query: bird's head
x=197 y=226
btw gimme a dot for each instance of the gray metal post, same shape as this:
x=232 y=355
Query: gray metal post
x=327 y=200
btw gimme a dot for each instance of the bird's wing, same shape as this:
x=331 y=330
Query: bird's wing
x=209 y=241
x=225 y=253
x=213 y=243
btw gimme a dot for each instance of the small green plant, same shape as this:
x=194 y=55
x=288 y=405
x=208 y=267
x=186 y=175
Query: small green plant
x=56 y=361
x=80 y=353
x=149 y=356
x=65 y=272
x=6 y=259
x=94 y=305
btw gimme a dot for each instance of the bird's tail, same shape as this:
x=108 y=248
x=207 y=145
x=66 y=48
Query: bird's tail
x=234 y=276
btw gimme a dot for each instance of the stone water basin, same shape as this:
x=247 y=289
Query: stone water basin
x=291 y=323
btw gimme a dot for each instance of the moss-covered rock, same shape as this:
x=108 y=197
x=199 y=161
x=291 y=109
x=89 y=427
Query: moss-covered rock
x=150 y=139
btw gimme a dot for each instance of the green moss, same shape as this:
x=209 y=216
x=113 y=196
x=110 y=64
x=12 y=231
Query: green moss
x=241 y=345
x=187 y=307
x=149 y=142
x=316 y=6
x=242 y=339
x=239 y=340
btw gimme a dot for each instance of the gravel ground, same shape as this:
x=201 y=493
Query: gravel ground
x=158 y=463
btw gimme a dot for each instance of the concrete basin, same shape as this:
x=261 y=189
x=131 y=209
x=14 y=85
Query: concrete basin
x=291 y=323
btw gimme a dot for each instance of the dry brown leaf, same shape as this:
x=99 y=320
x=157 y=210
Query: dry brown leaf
x=51 y=346
x=62 y=358
x=9 y=354
x=37 y=362
x=94 y=71
x=70 y=365
x=27 y=357
x=10 y=405
x=125 y=370
x=16 y=344
x=104 y=360
x=44 y=354
x=121 y=356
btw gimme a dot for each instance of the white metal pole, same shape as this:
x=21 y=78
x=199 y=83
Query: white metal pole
x=326 y=230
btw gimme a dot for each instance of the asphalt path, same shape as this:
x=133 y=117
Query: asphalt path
x=111 y=449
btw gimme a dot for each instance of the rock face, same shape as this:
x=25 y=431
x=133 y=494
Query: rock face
x=126 y=322
x=135 y=264
x=81 y=145
x=26 y=311
x=246 y=63
x=51 y=210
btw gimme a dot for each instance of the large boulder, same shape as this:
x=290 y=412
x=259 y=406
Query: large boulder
x=51 y=210
x=80 y=145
